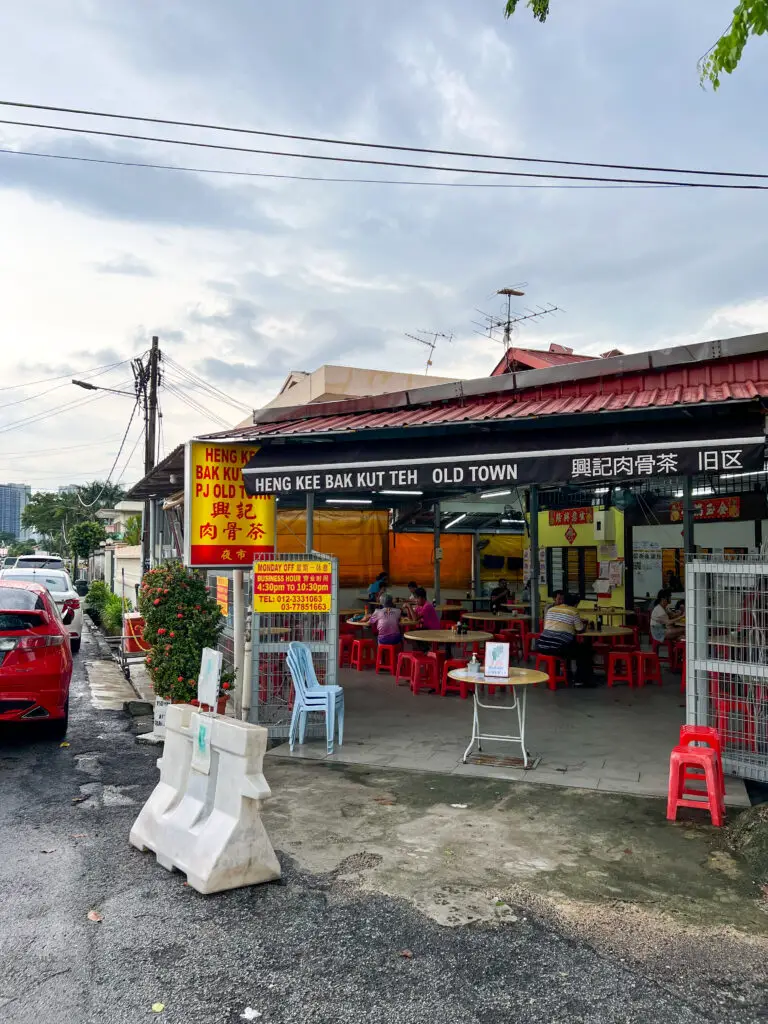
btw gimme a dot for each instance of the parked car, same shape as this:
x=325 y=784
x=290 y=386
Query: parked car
x=39 y=561
x=9 y=561
x=59 y=585
x=35 y=658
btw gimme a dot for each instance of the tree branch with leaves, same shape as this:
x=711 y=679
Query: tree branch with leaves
x=750 y=18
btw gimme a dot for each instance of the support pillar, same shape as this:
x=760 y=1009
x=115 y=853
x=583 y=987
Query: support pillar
x=689 y=513
x=437 y=551
x=533 y=511
x=310 y=542
x=238 y=639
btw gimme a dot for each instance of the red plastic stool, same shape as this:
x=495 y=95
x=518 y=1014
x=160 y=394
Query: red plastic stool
x=425 y=674
x=683 y=678
x=656 y=646
x=677 y=656
x=515 y=641
x=621 y=667
x=404 y=668
x=705 y=761
x=363 y=654
x=554 y=667
x=386 y=657
x=454 y=685
x=647 y=668
x=711 y=737
x=345 y=649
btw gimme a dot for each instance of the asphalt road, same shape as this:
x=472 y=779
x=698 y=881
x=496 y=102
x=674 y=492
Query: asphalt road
x=312 y=950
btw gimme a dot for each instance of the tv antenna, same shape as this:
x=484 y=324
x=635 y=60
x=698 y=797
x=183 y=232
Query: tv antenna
x=508 y=322
x=430 y=342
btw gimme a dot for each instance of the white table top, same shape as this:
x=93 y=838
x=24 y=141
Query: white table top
x=447 y=636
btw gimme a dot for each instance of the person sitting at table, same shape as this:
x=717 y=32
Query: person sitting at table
x=561 y=625
x=379 y=584
x=424 y=612
x=663 y=629
x=500 y=595
x=386 y=621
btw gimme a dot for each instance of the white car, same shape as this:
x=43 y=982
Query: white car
x=59 y=586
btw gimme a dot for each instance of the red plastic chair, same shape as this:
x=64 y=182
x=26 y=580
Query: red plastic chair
x=363 y=654
x=555 y=668
x=656 y=646
x=621 y=668
x=454 y=685
x=706 y=762
x=404 y=668
x=345 y=649
x=386 y=657
x=677 y=656
x=647 y=668
x=710 y=737
x=425 y=675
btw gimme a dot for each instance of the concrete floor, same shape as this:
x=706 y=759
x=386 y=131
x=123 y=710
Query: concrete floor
x=616 y=740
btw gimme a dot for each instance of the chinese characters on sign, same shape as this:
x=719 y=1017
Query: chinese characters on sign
x=287 y=586
x=570 y=535
x=708 y=508
x=225 y=527
x=566 y=516
x=653 y=464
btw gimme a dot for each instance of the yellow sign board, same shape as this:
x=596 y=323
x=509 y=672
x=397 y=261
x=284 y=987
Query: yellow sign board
x=288 y=586
x=224 y=527
x=222 y=594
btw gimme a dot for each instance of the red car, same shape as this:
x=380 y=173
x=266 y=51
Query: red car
x=35 y=657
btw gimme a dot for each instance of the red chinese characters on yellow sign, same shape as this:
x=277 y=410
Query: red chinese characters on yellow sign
x=571 y=516
x=225 y=527
x=708 y=508
x=287 y=586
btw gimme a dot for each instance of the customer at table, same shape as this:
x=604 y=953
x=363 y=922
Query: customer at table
x=386 y=621
x=379 y=584
x=663 y=628
x=500 y=596
x=424 y=613
x=562 y=623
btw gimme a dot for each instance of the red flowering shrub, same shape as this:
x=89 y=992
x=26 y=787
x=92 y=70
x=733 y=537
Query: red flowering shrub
x=180 y=619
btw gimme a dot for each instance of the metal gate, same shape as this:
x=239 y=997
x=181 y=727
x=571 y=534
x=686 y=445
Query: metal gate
x=727 y=657
x=271 y=633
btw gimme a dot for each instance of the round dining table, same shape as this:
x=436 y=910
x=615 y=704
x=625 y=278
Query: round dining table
x=607 y=631
x=516 y=678
x=447 y=637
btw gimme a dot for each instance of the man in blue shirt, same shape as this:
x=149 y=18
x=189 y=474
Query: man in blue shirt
x=378 y=584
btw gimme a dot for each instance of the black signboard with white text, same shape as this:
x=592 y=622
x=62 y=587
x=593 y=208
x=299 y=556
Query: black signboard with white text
x=339 y=472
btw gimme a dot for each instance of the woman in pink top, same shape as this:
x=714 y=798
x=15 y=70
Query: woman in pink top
x=386 y=622
x=424 y=612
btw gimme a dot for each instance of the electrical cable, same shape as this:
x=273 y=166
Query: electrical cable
x=56 y=387
x=102 y=133
x=376 y=145
x=133 y=452
x=312 y=177
x=195 y=406
x=65 y=448
x=114 y=464
x=85 y=374
x=203 y=385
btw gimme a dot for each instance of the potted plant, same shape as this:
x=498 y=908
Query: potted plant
x=180 y=619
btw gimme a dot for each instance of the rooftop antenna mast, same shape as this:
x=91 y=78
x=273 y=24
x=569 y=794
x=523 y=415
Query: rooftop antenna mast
x=507 y=323
x=430 y=342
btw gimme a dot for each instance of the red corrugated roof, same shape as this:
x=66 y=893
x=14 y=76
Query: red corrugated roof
x=534 y=359
x=511 y=406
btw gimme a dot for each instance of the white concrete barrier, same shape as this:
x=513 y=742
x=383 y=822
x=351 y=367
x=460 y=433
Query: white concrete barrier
x=208 y=825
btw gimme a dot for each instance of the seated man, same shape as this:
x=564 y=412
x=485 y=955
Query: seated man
x=500 y=596
x=561 y=624
x=424 y=612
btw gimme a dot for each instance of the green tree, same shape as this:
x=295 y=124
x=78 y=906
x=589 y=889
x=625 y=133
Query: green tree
x=132 y=531
x=52 y=516
x=22 y=548
x=7 y=538
x=84 y=539
x=749 y=18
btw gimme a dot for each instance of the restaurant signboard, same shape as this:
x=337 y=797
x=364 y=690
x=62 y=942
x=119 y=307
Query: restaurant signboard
x=708 y=508
x=356 y=473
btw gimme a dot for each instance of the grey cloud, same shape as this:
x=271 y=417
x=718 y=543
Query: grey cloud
x=277 y=363
x=133 y=193
x=126 y=264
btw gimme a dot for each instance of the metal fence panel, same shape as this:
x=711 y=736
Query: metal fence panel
x=727 y=657
x=270 y=635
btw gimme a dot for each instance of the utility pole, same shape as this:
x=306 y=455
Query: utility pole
x=147 y=376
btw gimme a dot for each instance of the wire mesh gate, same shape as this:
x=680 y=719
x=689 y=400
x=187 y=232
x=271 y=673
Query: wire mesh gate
x=727 y=657
x=271 y=687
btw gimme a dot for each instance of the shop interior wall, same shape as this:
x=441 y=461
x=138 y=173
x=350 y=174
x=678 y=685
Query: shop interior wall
x=359 y=539
x=555 y=537
x=506 y=547
x=412 y=557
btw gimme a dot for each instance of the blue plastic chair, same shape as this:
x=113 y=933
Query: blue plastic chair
x=311 y=696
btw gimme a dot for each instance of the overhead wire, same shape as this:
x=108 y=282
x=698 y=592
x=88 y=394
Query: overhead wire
x=66 y=377
x=91 y=504
x=330 y=141
x=103 y=133
x=204 y=385
x=133 y=452
x=64 y=448
x=315 y=177
x=197 y=407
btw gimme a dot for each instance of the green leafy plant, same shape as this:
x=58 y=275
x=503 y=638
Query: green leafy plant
x=96 y=599
x=132 y=531
x=749 y=18
x=112 y=614
x=180 y=619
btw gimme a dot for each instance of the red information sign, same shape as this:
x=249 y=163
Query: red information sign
x=569 y=516
x=708 y=508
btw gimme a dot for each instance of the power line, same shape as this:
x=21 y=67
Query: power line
x=133 y=452
x=194 y=405
x=381 y=163
x=375 y=145
x=88 y=375
x=65 y=376
x=90 y=504
x=205 y=385
x=66 y=448
x=40 y=417
x=309 y=177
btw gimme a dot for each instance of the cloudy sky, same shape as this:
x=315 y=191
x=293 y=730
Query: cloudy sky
x=246 y=278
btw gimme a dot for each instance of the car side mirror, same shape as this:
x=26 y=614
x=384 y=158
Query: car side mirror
x=67 y=616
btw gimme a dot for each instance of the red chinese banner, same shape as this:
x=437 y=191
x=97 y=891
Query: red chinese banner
x=708 y=508
x=225 y=528
x=571 y=516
